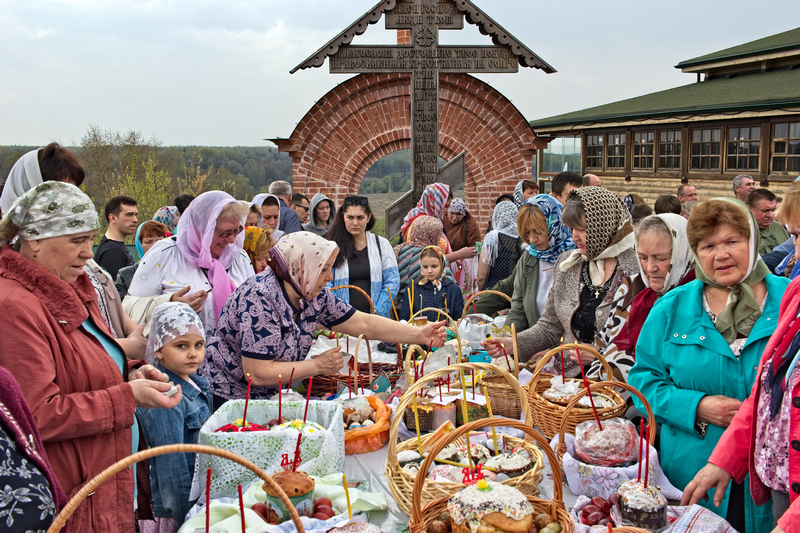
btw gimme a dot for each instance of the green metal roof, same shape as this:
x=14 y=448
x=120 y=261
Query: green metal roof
x=774 y=43
x=762 y=90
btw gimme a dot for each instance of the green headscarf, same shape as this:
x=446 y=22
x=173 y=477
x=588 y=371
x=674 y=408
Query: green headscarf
x=742 y=310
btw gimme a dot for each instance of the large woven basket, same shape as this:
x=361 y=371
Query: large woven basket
x=422 y=512
x=602 y=385
x=547 y=415
x=505 y=400
x=402 y=483
x=478 y=294
x=122 y=464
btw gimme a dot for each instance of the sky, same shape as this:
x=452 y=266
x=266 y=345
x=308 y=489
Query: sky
x=216 y=72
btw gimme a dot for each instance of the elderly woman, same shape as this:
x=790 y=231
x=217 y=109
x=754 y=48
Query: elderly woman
x=205 y=257
x=365 y=260
x=546 y=237
x=269 y=322
x=665 y=262
x=73 y=374
x=462 y=230
x=698 y=352
x=501 y=247
x=147 y=235
x=169 y=216
x=589 y=283
x=426 y=231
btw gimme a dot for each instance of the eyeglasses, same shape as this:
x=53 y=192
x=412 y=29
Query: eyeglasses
x=356 y=200
x=230 y=233
x=301 y=207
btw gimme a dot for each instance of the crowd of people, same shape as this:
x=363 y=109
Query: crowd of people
x=690 y=301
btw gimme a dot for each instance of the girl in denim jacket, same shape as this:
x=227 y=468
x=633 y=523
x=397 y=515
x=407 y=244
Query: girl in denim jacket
x=177 y=347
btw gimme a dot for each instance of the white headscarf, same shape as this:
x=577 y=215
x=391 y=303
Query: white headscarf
x=504 y=220
x=682 y=259
x=170 y=321
x=24 y=176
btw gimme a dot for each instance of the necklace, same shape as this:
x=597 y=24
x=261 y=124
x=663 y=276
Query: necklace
x=588 y=281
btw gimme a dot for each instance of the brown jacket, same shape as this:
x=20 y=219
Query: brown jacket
x=463 y=234
x=83 y=408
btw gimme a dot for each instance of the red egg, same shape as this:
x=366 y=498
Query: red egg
x=613 y=499
x=321 y=516
x=324 y=509
x=589 y=509
x=323 y=501
x=605 y=508
x=594 y=518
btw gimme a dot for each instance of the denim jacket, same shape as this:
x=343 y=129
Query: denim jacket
x=171 y=474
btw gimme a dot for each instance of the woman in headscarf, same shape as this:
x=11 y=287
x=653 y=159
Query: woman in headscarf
x=698 y=353
x=589 y=283
x=523 y=190
x=74 y=375
x=461 y=229
x=434 y=202
x=169 y=216
x=270 y=206
x=147 y=235
x=665 y=262
x=426 y=231
x=257 y=243
x=269 y=322
x=205 y=257
x=501 y=247
x=546 y=237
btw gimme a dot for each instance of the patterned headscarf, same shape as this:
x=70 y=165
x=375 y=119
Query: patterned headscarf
x=519 y=195
x=609 y=230
x=195 y=234
x=742 y=310
x=438 y=281
x=424 y=231
x=458 y=207
x=299 y=257
x=431 y=203
x=628 y=202
x=504 y=220
x=559 y=236
x=51 y=209
x=252 y=235
x=168 y=215
x=170 y=321
x=24 y=175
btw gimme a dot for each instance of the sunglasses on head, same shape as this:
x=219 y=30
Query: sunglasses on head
x=356 y=200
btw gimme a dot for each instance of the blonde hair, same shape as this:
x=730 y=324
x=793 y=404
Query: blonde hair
x=530 y=215
x=264 y=244
x=790 y=207
x=234 y=210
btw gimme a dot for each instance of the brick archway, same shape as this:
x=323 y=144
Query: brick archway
x=367 y=117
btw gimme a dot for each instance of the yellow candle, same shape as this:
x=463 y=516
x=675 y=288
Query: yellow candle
x=347 y=495
x=391 y=299
x=410 y=304
x=489 y=407
x=416 y=423
x=465 y=414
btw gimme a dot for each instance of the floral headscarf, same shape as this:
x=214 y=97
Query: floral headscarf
x=559 y=236
x=431 y=203
x=458 y=207
x=24 y=175
x=504 y=220
x=170 y=321
x=195 y=234
x=609 y=230
x=299 y=257
x=425 y=231
x=168 y=215
x=51 y=209
x=438 y=281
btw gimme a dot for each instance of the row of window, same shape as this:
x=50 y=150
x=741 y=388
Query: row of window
x=742 y=149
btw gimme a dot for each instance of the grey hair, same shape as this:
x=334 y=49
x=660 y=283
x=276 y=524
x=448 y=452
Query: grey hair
x=574 y=213
x=652 y=223
x=738 y=180
x=280 y=188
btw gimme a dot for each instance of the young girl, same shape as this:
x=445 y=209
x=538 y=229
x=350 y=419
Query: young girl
x=432 y=289
x=176 y=346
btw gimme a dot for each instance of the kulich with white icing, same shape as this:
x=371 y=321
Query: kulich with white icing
x=642 y=506
x=474 y=505
x=513 y=464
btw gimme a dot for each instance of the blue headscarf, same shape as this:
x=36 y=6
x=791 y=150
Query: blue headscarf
x=560 y=238
x=137 y=242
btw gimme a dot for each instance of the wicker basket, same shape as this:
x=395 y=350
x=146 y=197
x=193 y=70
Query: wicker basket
x=505 y=400
x=402 y=484
x=408 y=366
x=602 y=385
x=547 y=415
x=477 y=294
x=122 y=464
x=423 y=513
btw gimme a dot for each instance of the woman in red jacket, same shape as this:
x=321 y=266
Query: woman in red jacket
x=763 y=439
x=72 y=372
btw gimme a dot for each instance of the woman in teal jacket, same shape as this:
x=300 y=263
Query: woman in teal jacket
x=699 y=349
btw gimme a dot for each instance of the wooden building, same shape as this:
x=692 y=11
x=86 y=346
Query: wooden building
x=741 y=116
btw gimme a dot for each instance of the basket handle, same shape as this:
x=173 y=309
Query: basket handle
x=359 y=289
x=407 y=362
x=534 y=435
x=405 y=400
x=515 y=349
x=571 y=346
x=437 y=310
x=122 y=464
x=562 y=446
x=475 y=296
x=369 y=355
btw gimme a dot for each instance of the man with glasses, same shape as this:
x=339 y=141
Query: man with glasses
x=290 y=222
x=300 y=205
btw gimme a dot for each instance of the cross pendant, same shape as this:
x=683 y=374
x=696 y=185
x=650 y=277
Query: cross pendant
x=597 y=294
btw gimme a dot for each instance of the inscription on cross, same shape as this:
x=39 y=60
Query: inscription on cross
x=424 y=59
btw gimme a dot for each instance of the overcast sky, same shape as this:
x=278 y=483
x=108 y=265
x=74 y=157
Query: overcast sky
x=216 y=72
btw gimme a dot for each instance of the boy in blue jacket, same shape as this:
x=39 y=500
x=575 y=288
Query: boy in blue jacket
x=432 y=289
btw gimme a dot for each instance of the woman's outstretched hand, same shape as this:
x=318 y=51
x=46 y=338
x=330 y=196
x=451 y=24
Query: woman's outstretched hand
x=709 y=476
x=434 y=334
x=494 y=347
x=329 y=362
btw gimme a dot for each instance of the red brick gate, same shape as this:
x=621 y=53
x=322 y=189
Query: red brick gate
x=367 y=117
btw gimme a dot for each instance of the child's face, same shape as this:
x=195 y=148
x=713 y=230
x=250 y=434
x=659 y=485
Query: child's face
x=184 y=355
x=430 y=267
